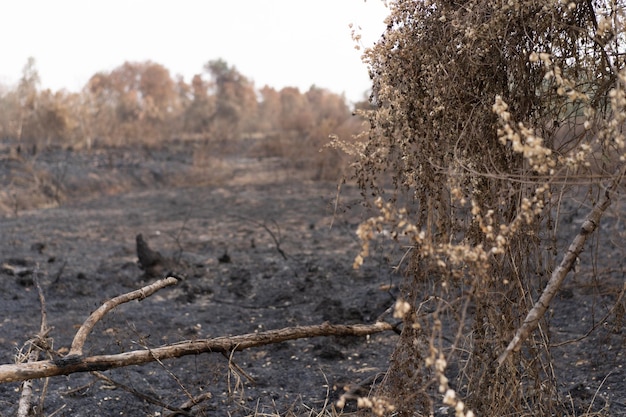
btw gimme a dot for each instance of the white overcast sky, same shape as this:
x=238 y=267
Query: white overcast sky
x=275 y=42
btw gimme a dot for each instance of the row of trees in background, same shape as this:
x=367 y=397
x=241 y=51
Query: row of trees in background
x=142 y=102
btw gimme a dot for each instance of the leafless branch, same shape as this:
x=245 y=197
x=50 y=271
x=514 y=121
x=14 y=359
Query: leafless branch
x=35 y=346
x=140 y=394
x=276 y=237
x=41 y=369
x=80 y=337
x=554 y=284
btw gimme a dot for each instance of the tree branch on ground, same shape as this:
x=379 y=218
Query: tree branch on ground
x=84 y=330
x=74 y=362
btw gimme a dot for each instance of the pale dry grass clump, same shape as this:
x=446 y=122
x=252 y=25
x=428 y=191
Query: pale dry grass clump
x=484 y=116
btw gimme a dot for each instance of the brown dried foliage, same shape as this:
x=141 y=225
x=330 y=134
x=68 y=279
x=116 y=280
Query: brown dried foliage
x=477 y=134
x=219 y=109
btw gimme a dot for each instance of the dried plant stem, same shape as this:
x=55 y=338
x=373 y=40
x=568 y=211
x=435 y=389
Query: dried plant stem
x=27 y=388
x=196 y=400
x=36 y=345
x=140 y=394
x=554 y=284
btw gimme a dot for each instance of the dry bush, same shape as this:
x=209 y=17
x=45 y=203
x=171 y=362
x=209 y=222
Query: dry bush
x=26 y=186
x=485 y=116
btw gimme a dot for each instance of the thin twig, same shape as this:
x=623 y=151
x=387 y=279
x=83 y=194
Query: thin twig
x=57 y=276
x=596 y=325
x=595 y=394
x=178 y=234
x=140 y=394
x=335 y=205
x=35 y=346
x=196 y=400
x=57 y=411
x=277 y=239
x=232 y=364
x=170 y=373
x=73 y=391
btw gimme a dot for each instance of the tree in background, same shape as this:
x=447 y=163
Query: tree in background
x=295 y=115
x=139 y=102
x=27 y=126
x=6 y=108
x=486 y=117
x=101 y=102
x=200 y=109
x=269 y=111
x=331 y=117
x=235 y=100
x=58 y=116
x=134 y=100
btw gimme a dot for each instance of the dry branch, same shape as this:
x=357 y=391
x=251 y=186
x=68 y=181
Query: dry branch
x=196 y=400
x=75 y=362
x=42 y=369
x=140 y=394
x=36 y=345
x=27 y=388
x=554 y=284
x=82 y=333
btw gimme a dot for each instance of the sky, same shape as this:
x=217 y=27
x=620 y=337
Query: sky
x=275 y=42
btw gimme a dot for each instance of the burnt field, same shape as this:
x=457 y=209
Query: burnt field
x=258 y=246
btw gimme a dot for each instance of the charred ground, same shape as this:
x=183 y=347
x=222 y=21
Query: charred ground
x=71 y=219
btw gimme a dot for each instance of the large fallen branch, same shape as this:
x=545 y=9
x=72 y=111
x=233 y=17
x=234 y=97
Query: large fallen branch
x=69 y=365
x=76 y=362
x=558 y=275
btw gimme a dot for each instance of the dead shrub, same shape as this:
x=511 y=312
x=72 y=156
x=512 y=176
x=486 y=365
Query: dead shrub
x=484 y=117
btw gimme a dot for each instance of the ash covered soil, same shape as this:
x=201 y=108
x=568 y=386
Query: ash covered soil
x=259 y=247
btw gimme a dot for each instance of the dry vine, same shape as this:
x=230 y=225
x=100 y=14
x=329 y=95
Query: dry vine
x=487 y=121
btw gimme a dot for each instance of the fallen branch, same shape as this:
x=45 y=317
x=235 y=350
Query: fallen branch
x=82 y=333
x=75 y=362
x=48 y=368
x=558 y=275
x=24 y=405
